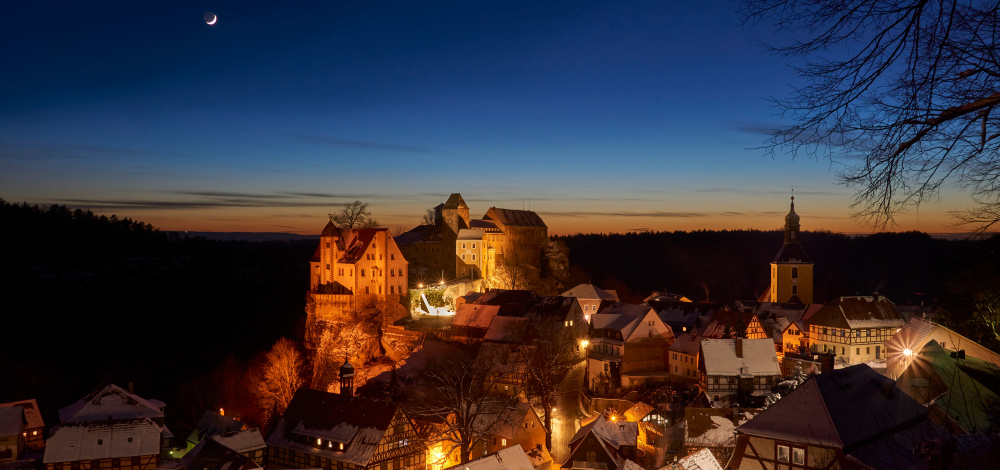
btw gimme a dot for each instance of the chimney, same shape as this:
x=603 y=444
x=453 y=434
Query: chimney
x=961 y=354
x=130 y=388
x=886 y=388
x=739 y=347
x=875 y=295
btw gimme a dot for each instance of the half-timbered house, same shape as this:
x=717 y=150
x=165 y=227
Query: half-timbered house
x=603 y=444
x=119 y=444
x=731 y=369
x=343 y=432
x=34 y=429
x=855 y=328
x=848 y=418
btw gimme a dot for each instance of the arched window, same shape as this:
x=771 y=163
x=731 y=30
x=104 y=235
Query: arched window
x=795 y=273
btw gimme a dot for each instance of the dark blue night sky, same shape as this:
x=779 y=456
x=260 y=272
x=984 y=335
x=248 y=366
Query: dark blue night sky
x=606 y=116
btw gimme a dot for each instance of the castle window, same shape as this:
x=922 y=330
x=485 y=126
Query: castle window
x=795 y=290
x=473 y=257
x=392 y=257
x=392 y=272
x=362 y=273
x=795 y=273
x=392 y=289
x=463 y=257
x=327 y=267
x=328 y=245
x=379 y=289
x=463 y=245
x=473 y=246
x=366 y=289
x=380 y=256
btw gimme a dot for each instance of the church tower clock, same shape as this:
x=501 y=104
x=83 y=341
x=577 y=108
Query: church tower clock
x=792 y=269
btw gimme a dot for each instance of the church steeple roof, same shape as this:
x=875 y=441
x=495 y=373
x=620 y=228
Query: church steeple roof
x=792 y=251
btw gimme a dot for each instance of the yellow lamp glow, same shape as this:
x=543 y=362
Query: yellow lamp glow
x=907 y=352
x=585 y=343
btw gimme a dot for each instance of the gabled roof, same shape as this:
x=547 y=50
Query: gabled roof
x=475 y=315
x=589 y=292
x=638 y=411
x=615 y=433
x=483 y=224
x=111 y=402
x=11 y=420
x=358 y=422
x=91 y=441
x=507 y=329
x=211 y=455
x=846 y=407
x=31 y=412
x=418 y=233
x=511 y=458
x=701 y=460
x=355 y=242
x=858 y=312
x=686 y=343
x=710 y=427
x=241 y=441
x=212 y=423
x=513 y=217
x=759 y=358
x=966 y=400
x=728 y=322
x=504 y=423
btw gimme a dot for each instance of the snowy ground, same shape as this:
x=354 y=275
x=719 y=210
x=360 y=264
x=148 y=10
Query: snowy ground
x=878 y=365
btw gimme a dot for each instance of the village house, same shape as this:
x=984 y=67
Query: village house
x=628 y=346
x=210 y=424
x=855 y=328
x=726 y=324
x=736 y=369
x=589 y=297
x=652 y=427
x=902 y=347
x=518 y=425
x=211 y=455
x=344 y=432
x=12 y=424
x=960 y=390
x=247 y=442
x=120 y=443
x=510 y=458
x=848 y=418
x=605 y=443
x=713 y=430
x=684 y=358
x=702 y=460
x=34 y=429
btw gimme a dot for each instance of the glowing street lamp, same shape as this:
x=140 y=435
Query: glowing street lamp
x=907 y=352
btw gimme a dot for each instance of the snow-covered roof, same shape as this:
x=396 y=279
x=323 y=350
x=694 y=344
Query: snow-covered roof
x=589 y=292
x=111 y=402
x=701 y=460
x=91 y=441
x=759 y=358
x=31 y=412
x=335 y=417
x=712 y=427
x=511 y=458
x=212 y=423
x=475 y=315
x=638 y=411
x=11 y=419
x=241 y=441
x=615 y=432
x=686 y=343
x=857 y=312
x=210 y=455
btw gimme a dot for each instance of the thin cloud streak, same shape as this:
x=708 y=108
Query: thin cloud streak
x=359 y=144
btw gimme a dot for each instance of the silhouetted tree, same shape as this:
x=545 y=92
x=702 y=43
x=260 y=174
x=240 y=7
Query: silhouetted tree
x=907 y=86
x=354 y=215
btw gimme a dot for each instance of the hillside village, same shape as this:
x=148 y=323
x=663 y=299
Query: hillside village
x=460 y=344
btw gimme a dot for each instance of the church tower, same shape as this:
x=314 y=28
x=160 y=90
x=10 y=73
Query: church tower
x=791 y=269
x=346 y=379
x=328 y=253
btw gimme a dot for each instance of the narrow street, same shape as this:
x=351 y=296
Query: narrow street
x=566 y=419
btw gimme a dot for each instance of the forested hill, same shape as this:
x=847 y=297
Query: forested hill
x=730 y=265
x=90 y=299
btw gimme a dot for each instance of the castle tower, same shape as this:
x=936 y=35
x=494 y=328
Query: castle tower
x=328 y=253
x=791 y=269
x=453 y=216
x=346 y=379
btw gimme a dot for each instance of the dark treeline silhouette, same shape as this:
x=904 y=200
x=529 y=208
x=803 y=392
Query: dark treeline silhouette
x=89 y=300
x=729 y=265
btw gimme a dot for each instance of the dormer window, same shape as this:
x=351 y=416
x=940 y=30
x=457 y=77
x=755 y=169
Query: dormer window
x=341 y=446
x=319 y=442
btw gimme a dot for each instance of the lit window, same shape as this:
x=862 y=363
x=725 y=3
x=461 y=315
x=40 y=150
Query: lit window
x=571 y=323
x=341 y=446
x=319 y=441
x=782 y=453
x=34 y=433
x=503 y=442
x=798 y=456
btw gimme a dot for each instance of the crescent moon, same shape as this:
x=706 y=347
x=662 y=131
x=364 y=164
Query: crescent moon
x=214 y=19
